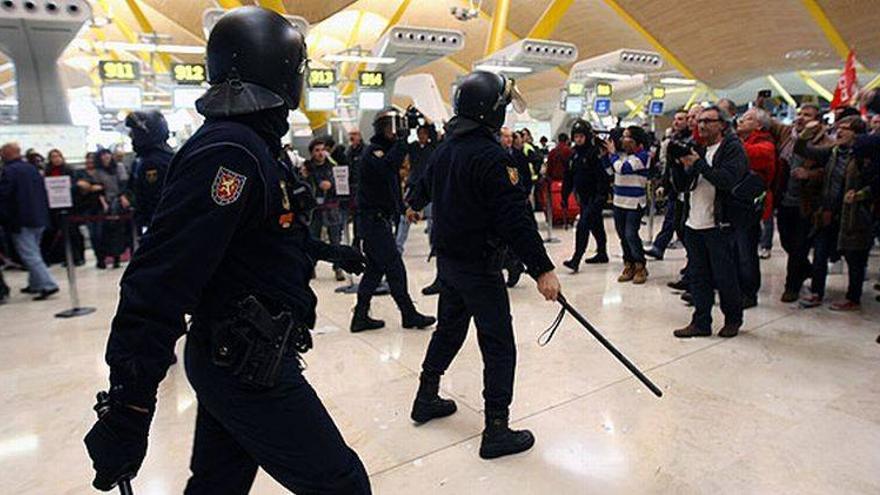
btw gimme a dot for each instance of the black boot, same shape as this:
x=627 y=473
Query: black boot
x=572 y=264
x=598 y=259
x=361 y=320
x=499 y=440
x=428 y=404
x=414 y=319
x=432 y=289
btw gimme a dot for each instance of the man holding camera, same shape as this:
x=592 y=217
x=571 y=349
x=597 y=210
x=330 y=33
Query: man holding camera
x=708 y=177
x=380 y=203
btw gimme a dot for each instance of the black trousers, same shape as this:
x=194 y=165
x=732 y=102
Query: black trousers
x=285 y=430
x=712 y=264
x=748 y=265
x=473 y=290
x=590 y=222
x=383 y=259
x=794 y=231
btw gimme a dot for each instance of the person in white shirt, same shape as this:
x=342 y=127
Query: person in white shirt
x=709 y=240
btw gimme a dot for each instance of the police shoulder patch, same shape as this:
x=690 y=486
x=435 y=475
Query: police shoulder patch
x=378 y=153
x=227 y=186
x=513 y=175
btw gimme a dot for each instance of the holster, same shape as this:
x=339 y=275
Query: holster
x=253 y=343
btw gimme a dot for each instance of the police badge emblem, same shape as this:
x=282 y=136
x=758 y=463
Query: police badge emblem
x=227 y=186
x=513 y=175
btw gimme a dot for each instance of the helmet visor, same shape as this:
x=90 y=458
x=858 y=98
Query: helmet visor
x=512 y=95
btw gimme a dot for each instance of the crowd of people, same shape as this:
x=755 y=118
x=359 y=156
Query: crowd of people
x=113 y=198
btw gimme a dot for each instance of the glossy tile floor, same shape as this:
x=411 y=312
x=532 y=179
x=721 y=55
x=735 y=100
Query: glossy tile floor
x=792 y=405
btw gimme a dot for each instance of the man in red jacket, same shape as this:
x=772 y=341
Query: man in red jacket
x=753 y=128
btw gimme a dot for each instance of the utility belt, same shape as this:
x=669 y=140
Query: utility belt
x=253 y=343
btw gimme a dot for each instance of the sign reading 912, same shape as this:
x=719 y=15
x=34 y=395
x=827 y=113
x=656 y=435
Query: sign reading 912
x=189 y=73
x=321 y=78
x=371 y=79
x=115 y=70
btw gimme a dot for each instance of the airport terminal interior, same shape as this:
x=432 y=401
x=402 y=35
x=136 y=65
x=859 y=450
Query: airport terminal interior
x=637 y=243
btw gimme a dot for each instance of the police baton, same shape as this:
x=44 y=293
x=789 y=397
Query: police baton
x=125 y=487
x=602 y=340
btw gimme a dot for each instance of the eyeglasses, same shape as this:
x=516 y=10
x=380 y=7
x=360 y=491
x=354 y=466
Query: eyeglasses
x=707 y=121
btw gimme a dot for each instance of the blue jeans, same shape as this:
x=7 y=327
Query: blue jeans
x=627 y=223
x=664 y=237
x=767 y=229
x=824 y=248
x=712 y=265
x=27 y=243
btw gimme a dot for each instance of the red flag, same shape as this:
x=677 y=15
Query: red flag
x=847 y=86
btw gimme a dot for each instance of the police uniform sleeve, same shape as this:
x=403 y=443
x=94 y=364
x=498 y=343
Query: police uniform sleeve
x=209 y=197
x=510 y=211
x=420 y=194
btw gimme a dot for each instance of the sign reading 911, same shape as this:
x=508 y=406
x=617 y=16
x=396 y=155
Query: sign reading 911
x=189 y=73
x=119 y=71
x=321 y=78
x=371 y=79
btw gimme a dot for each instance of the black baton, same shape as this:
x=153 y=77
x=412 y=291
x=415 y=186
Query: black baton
x=125 y=487
x=608 y=345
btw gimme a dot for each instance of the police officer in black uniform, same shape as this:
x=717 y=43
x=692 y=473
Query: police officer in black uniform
x=380 y=204
x=587 y=177
x=477 y=208
x=230 y=245
x=149 y=136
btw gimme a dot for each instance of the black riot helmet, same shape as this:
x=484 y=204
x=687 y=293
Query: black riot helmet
x=391 y=116
x=147 y=129
x=581 y=126
x=483 y=96
x=256 y=61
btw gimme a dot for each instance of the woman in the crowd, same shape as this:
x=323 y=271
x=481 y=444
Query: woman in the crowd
x=89 y=202
x=630 y=170
x=844 y=220
x=113 y=236
x=53 y=238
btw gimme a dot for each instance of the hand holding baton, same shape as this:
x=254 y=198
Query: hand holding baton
x=602 y=340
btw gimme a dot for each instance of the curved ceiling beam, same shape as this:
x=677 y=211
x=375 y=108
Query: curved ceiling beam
x=495 y=41
x=831 y=33
x=550 y=19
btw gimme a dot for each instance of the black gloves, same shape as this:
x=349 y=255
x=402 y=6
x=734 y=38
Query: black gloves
x=350 y=260
x=117 y=443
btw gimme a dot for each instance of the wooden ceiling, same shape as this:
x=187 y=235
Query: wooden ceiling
x=723 y=42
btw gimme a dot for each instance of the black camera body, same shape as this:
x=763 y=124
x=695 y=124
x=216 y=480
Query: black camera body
x=414 y=118
x=677 y=149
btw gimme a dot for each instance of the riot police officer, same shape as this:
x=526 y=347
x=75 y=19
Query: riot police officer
x=380 y=204
x=149 y=136
x=586 y=176
x=478 y=208
x=230 y=245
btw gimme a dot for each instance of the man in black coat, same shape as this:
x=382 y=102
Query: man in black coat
x=149 y=136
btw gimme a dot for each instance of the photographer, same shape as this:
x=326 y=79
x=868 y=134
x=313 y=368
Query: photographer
x=707 y=178
x=586 y=176
x=672 y=218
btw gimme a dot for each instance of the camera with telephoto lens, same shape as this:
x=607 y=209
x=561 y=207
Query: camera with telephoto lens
x=414 y=117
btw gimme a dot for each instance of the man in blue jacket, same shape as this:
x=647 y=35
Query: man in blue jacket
x=25 y=206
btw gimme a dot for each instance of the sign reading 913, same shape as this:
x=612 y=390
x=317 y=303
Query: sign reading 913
x=119 y=71
x=321 y=78
x=189 y=73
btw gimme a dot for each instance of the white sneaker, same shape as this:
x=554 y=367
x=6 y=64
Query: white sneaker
x=764 y=254
x=835 y=268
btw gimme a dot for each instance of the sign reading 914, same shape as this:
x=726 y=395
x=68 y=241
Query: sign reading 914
x=189 y=73
x=114 y=70
x=321 y=78
x=371 y=79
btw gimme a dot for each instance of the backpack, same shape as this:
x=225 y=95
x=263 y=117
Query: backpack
x=744 y=204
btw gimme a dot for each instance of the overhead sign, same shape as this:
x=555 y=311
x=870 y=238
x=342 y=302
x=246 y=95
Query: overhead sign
x=602 y=106
x=119 y=71
x=320 y=99
x=186 y=97
x=122 y=97
x=656 y=107
x=576 y=89
x=604 y=89
x=658 y=92
x=189 y=73
x=322 y=78
x=371 y=100
x=371 y=79
x=574 y=105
